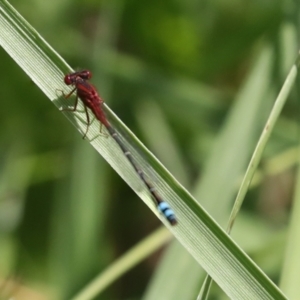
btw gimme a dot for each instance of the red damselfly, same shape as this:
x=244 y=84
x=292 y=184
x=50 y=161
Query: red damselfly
x=91 y=99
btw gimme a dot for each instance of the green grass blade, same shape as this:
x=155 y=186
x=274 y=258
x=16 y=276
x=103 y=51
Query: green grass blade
x=127 y=261
x=256 y=158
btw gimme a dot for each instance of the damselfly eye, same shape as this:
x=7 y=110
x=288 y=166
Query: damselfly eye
x=72 y=78
x=68 y=79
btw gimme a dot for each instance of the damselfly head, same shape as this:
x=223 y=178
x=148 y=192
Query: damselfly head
x=72 y=78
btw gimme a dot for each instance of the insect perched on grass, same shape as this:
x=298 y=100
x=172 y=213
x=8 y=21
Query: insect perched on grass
x=91 y=99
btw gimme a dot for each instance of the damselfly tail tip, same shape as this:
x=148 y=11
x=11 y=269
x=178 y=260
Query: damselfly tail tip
x=173 y=221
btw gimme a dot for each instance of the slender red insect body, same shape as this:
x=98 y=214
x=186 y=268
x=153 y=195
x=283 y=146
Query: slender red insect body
x=87 y=93
x=92 y=100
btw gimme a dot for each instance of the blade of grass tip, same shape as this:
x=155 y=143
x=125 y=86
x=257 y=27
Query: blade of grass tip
x=256 y=157
x=130 y=259
x=214 y=250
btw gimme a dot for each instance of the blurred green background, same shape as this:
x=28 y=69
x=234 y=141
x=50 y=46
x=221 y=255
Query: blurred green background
x=170 y=70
